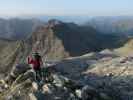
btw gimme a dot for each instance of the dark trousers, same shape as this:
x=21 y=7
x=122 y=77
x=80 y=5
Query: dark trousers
x=38 y=73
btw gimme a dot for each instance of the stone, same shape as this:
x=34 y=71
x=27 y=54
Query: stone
x=16 y=71
x=6 y=86
x=2 y=81
x=27 y=75
x=35 y=86
x=58 y=80
x=88 y=93
x=1 y=90
x=51 y=89
x=46 y=89
x=32 y=96
x=19 y=69
x=104 y=96
x=9 y=97
x=78 y=93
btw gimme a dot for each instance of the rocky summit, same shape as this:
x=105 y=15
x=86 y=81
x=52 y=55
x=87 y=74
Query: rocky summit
x=94 y=76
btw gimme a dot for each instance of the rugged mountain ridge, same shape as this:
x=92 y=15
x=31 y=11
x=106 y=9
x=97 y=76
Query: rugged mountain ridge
x=72 y=40
x=57 y=40
x=113 y=24
x=96 y=76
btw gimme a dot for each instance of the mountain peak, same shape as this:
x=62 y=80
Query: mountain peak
x=54 y=22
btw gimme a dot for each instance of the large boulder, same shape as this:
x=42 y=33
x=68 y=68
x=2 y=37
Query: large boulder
x=19 y=69
x=27 y=75
x=16 y=71
x=89 y=93
x=17 y=91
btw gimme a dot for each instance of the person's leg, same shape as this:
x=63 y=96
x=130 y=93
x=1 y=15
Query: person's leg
x=36 y=76
x=40 y=73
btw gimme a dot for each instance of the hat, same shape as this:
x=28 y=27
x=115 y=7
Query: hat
x=35 y=53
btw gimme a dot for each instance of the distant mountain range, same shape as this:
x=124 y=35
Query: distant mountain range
x=113 y=25
x=18 y=28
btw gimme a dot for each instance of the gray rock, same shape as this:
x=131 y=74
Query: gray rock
x=32 y=96
x=19 y=69
x=88 y=93
x=48 y=88
x=16 y=71
x=35 y=86
x=78 y=93
x=104 y=96
x=59 y=80
x=27 y=75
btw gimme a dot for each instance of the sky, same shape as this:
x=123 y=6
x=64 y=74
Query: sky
x=66 y=7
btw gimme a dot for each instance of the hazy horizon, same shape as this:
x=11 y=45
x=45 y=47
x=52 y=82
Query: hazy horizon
x=14 y=8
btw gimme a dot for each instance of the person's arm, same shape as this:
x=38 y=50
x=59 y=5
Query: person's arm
x=41 y=62
x=30 y=60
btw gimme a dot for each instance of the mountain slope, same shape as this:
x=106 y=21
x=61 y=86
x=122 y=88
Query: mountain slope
x=7 y=53
x=11 y=53
x=127 y=49
x=98 y=76
x=69 y=39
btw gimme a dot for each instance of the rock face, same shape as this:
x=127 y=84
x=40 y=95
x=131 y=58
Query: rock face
x=73 y=79
x=12 y=53
x=60 y=40
x=16 y=71
x=95 y=76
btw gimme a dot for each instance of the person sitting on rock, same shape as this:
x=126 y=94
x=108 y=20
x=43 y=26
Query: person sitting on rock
x=36 y=61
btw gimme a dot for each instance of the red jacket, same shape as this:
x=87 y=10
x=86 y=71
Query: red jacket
x=35 y=63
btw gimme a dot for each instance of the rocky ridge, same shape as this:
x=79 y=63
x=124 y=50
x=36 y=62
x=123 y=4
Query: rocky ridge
x=95 y=76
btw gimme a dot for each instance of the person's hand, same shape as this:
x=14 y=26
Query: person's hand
x=28 y=59
x=29 y=56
